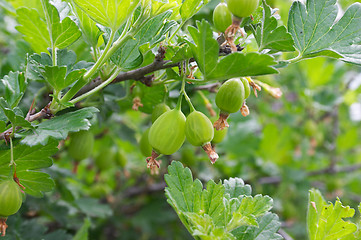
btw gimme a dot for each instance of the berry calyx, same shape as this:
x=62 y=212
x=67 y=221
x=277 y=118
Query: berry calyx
x=219 y=135
x=137 y=94
x=245 y=110
x=137 y=103
x=199 y=132
x=222 y=17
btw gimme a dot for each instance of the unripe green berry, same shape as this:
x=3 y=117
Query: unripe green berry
x=120 y=158
x=242 y=8
x=230 y=96
x=222 y=17
x=10 y=198
x=167 y=135
x=105 y=159
x=158 y=110
x=81 y=145
x=199 y=129
x=247 y=88
x=145 y=147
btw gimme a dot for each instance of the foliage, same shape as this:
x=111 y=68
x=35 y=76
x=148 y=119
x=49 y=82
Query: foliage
x=67 y=66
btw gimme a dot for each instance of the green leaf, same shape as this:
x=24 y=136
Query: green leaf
x=15 y=116
x=91 y=32
x=269 y=36
x=55 y=76
x=235 y=187
x=151 y=96
x=205 y=50
x=59 y=126
x=15 y=86
x=109 y=13
x=91 y=207
x=191 y=7
x=82 y=233
x=62 y=33
x=203 y=226
x=325 y=221
x=129 y=56
x=28 y=159
x=182 y=192
x=59 y=77
x=212 y=214
x=269 y=224
x=34 y=29
x=212 y=202
x=316 y=33
x=249 y=209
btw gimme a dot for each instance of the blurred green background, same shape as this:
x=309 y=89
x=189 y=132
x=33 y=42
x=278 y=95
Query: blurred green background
x=310 y=137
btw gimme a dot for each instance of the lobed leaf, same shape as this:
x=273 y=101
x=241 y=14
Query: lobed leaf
x=325 y=220
x=317 y=33
x=91 y=32
x=60 y=126
x=191 y=7
x=129 y=57
x=34 y=29
x=62 y=33
x=14 y=115
x=205 y=50
x=235 y=187
x=268 y=225
x=109 y=13
x=15 y=86
x=182 y=192
x=28 y=160
x=218 y=212
x=271 y=36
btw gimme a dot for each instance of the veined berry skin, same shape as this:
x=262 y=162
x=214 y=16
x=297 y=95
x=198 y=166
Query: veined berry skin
x=222 y=17
x=145 y=147
x=158 y=110
x=10 y=198
x=81 y=145
x=247 y=88
x=242 y=8
x=230 y=96
x=167 y=135
x=199 y=129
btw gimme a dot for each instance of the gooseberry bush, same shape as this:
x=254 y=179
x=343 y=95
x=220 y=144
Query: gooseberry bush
x=101 y=96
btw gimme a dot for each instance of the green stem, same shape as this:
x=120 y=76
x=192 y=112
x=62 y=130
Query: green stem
x=179 y=103
x=105 y=55
x=186 y=96
x=12 y=162
x=98 y=88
